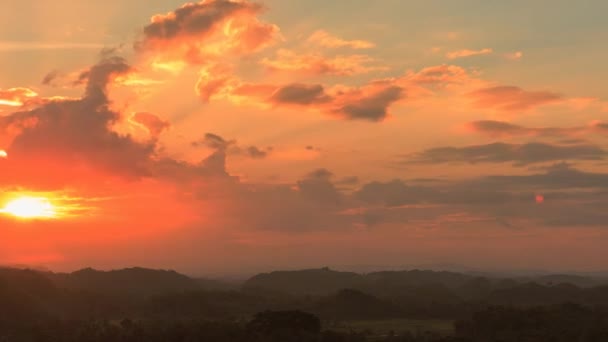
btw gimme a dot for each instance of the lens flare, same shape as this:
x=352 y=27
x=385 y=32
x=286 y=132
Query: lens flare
x=30 y=208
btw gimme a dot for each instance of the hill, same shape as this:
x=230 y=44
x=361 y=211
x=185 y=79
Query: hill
x=134 y=281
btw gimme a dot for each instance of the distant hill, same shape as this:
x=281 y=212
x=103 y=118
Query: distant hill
x=133 y=281
x=24 y=293
x=320 y=281
x=31 y=282
x=351 y=304
x=325 y=281
x=582 y=281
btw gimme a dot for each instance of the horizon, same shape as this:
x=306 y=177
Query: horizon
x=358 y=269
x=236 y=137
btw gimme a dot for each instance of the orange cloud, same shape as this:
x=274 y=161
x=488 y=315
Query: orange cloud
x=468 y=53
x=77 y=131
x=151 y=122
x=370 y=102
x=213 y=79
x=16 y=97
x=505 y=129
x=342 y=65
x=197 y=31
x=367 y=102
x=511 y=98
x=517 y=55
x=325 y=39
x=438 y=76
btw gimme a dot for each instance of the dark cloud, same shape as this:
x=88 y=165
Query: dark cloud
x=392 y=193
x=231 y=147
x=350 y=180
x=501 y=128
x=300 y=94
x=519 y=154
x=372 y=107
x=78 y=131
x=49 y=79
x=195 y=18
x=187 y=33
x=213 y=141
x=256 y=153
x=320 y=174
x=558 y=176
x=318 y=186
x=571 y=198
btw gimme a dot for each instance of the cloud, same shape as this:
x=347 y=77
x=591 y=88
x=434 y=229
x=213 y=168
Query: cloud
x=370 y=102
x=255 y=152
x=316 y=64
x=601 y=126
x=514 y=56
x=213 y=141
x=505 y=129
x=372 y=106
x=438 y=76
x=348 y=181
x=468 y=53
x=197 y=31
x=50 y=78
x=511 y=98
x=495 y=128
x=77 y=131
x=213 y=79
x=325 y=39
x=16 y=97
x=230 y=147
x=571 y=198
x=557 y=176
x=519 y=154
x=318 y=186
x=300 y=94
x=152 y=123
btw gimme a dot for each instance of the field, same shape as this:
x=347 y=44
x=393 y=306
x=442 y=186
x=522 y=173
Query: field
x=397 y=326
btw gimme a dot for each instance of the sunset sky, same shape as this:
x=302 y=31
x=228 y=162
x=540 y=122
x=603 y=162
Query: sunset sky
x=230 y=136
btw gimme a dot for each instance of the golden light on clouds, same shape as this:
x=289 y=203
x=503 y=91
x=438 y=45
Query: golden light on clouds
x=3 y=154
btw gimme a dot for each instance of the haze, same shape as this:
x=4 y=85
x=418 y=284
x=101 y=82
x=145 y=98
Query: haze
x=239 y=136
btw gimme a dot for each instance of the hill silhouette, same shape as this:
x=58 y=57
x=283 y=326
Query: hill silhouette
x=322 y=281
x=135 y=281
x=349 y=304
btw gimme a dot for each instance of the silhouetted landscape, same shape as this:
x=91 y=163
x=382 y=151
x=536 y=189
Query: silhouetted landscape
x=303 y=171
x=140 y=304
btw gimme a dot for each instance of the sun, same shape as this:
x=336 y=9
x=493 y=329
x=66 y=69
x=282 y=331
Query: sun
x=30 y=208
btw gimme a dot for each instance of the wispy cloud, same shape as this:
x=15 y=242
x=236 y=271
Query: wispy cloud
x=468 y=53
x=326 y=39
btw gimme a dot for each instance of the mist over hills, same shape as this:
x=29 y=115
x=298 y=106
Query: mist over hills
x=315 y=288
x=146 y=295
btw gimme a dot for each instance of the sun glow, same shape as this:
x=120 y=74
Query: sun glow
x=30 y=208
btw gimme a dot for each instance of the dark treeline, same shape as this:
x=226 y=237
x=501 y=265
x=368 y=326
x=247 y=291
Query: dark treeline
x=148 y=305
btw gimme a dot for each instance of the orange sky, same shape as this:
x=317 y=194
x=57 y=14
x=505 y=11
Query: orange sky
x=237 y=136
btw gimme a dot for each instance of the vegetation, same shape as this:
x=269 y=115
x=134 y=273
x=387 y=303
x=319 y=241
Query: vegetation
x=148 y=305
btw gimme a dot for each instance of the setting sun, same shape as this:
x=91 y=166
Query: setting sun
x=30 y=208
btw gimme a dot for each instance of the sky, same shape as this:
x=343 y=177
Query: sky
x=228 y=136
